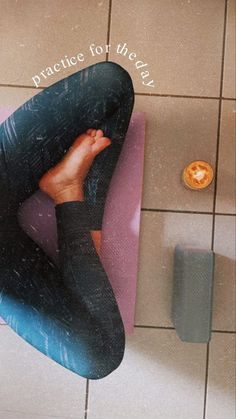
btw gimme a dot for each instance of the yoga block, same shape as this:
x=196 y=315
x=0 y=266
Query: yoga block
x=193 y=293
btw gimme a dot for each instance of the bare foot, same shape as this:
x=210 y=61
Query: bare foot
x=64 y=182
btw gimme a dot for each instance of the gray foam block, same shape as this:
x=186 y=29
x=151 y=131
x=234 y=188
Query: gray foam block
x=193 y=293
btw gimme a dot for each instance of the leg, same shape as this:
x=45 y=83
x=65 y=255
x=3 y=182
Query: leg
x=76 y=324
x=74 y=319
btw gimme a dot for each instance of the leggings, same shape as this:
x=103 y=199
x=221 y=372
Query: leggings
x=68 y=312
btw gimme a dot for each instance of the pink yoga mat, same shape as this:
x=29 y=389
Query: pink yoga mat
x=121 y=221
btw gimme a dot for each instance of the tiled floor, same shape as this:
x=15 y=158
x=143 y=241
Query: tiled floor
x=188 y=46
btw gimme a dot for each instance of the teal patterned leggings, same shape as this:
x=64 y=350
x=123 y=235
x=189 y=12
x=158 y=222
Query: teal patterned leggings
x=69 y=312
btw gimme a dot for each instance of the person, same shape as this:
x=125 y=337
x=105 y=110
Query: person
x=66 y=140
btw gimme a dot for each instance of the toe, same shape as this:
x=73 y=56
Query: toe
x=98 y=146
x=99 y=133
x=93 y=132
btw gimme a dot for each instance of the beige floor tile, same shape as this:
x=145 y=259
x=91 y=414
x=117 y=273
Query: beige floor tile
x=34 y=386
x=224 y=294
x=178 y=132
x=15 y=96
x=226 y=183
x=229 y=88
x=160 y=377
x=221 y=377
x=42 y=33
x=160 y=232
x=181 y=41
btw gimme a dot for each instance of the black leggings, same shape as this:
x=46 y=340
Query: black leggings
x=68 y=313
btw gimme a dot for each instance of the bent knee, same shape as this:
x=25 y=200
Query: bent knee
x=105 y=365
x=103 y=360
x=115 y=74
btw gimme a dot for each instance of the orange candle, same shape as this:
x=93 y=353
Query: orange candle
x=198 y=175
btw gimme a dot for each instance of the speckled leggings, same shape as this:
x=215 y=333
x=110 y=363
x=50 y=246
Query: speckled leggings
x=68 y=313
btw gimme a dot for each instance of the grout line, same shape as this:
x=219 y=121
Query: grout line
x=177 y=96
x=219 y=124
x=216 y=178
x=22 y=86
x=206 y=380
x=86 y=400
x=109 y=28
x=215 y=184
x=228 y=98
x=143 y=326
x=176 y=211
x=184 y=96
x=222 y=213
x=187 y=212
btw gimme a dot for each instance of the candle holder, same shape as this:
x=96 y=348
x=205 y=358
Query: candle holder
x=198 y=175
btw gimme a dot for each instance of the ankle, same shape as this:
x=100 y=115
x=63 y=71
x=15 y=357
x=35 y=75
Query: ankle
x=68 y=194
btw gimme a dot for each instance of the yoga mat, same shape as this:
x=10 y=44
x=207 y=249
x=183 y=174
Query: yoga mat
x=121 y=221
